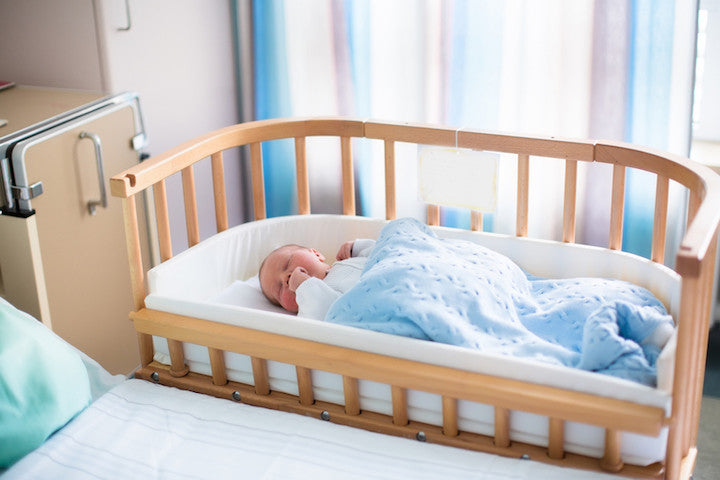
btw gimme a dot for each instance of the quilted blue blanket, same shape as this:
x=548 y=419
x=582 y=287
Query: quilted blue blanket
x=457 y=292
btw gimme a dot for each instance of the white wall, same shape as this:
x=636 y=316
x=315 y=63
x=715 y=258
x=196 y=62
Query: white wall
x=178 y=55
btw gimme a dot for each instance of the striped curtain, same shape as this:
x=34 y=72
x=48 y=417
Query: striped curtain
x=616 y=69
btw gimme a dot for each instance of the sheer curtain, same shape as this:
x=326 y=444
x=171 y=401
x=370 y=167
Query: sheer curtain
x=616 y=69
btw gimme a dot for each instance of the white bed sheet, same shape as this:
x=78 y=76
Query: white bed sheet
x=143 y=430
x=204 y=282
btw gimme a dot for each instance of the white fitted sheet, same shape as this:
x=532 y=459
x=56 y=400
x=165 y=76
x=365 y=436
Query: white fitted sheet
x=209 y=281
x=143 y=430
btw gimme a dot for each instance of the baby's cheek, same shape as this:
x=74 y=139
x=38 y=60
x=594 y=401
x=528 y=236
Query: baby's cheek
x=287 y=300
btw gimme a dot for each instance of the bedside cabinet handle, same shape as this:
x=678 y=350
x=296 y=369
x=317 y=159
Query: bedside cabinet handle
x=93 y=204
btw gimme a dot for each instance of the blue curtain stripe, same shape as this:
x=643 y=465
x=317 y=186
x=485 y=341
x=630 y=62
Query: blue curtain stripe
x=272 y=93
x=648 y=107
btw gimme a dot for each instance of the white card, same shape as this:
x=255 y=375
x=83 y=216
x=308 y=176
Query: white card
x=456 y=177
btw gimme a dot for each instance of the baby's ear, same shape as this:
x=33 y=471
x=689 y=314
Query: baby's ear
x=318 y=254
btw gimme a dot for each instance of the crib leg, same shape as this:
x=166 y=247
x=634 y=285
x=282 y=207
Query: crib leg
x=177 y=359
x=305 y=389
x=611 y=461
x=399 y=404
x=556 y=439
x=450 y=420
x=260 y=376
x=352 y=395
x=502 y=427
x=217 y=365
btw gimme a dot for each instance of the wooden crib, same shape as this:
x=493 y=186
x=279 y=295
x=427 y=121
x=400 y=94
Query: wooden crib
x=695 y=263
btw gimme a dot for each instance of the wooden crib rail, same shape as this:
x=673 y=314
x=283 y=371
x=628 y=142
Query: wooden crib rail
x=696 y=178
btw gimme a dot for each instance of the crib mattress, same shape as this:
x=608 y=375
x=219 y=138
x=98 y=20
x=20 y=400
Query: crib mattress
x=143 y=430
x=214 y=280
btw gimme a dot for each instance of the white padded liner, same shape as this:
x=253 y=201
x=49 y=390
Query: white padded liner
x=207 y=281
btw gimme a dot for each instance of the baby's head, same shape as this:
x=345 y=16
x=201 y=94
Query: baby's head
x=278 y=267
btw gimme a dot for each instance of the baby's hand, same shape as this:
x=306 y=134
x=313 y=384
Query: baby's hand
x=345 y=250
x=298 y=276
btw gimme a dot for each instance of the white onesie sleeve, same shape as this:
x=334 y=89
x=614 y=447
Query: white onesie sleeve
x=362 y=247
x=314 y=298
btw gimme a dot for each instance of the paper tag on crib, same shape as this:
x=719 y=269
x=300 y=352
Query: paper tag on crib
x=456 y=177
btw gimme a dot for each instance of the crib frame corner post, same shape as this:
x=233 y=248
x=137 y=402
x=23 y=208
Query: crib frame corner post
x=137 y=273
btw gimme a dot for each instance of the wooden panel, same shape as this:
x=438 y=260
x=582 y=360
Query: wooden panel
x=523 y=183
x=218 y=175
x=258 y=185
x=190 y=198
x=348 y=177
x=303 y=186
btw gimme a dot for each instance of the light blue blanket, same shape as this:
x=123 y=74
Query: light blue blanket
x=457 y=292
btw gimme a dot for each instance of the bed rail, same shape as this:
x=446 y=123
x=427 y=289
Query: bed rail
x=695 y=263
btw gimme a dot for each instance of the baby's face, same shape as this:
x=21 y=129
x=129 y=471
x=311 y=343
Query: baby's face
x=279 y=265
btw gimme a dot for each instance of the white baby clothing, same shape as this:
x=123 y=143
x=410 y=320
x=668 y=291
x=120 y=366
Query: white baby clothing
x=314 y=296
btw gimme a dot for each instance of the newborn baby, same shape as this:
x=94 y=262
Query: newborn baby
x=300 y=280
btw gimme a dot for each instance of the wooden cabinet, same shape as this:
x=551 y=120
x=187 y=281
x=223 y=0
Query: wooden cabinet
x=62 y=252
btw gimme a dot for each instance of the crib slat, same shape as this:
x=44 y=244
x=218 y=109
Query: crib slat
x=390 y=209
x=450 y=416
x=305 y=388
x=570 y=201
x=258 y=186
x=352 y=395
x=556 y=439
x=137 y=277
x=217 y=366
x=662 y=187
x=399 y=405
x=502 y=427
x=523 y=187
x=348 y=177
x=303 y=186
x=433 y=215
x=218 y=175
x=260 y=375
x=163 y=220
x=617 y=207
x=476 y=221
x=611 y=460
x=177 y=358
x=190 y=197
